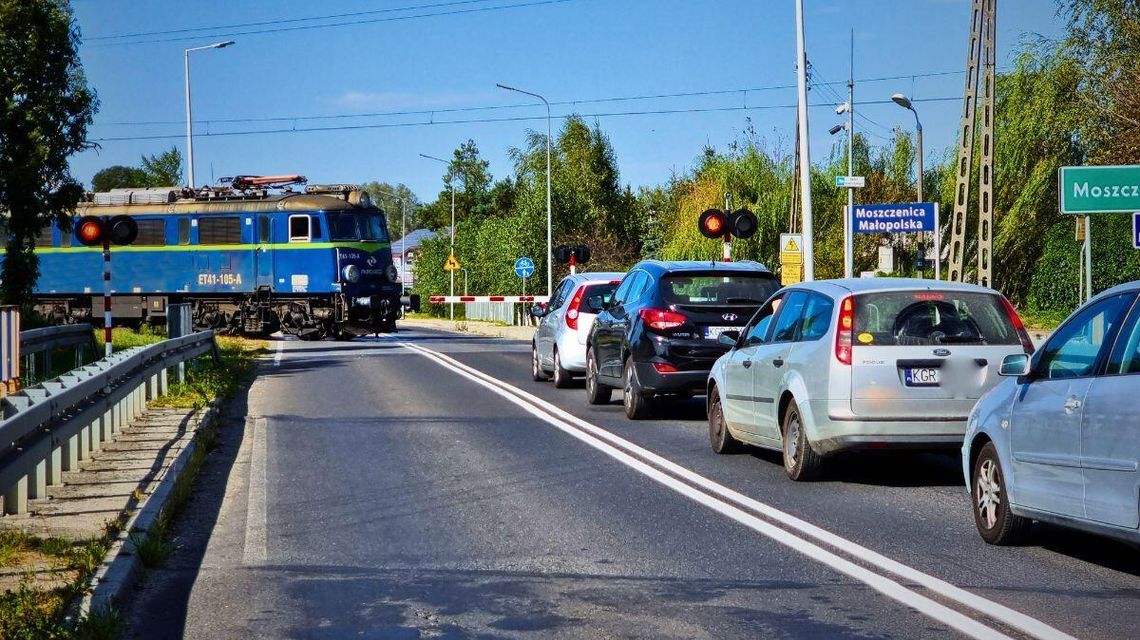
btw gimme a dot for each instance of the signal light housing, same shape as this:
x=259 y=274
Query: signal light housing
x=578 y=253
x=714 y=223
x=90 y=231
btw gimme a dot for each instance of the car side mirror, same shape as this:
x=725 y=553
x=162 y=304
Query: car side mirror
x=728 y=338
x=1016 y=364
x=538 y=311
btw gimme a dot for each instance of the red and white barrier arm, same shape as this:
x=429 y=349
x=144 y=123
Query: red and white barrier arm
x=444 y=299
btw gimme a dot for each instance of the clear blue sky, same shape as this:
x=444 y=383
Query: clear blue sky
x=575 y=50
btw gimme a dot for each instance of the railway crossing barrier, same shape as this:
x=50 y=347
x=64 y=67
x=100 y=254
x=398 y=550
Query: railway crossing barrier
x=51 y=427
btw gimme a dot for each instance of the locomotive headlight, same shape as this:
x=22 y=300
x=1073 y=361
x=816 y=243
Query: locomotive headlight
x=393 y=273
x=352 y=273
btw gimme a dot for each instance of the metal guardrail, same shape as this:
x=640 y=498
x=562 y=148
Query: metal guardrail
x=49 y=338
x=52 y=427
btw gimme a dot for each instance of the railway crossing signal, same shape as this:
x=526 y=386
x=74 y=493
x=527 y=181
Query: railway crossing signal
x=93 y=231
x=726 y=224
x=715 y=223
x=572 y=255
x=104 y=231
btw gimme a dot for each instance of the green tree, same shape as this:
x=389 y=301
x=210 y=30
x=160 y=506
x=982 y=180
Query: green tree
x=118 y=177
x=397 y=201
x=164 y=169
x=45 y=109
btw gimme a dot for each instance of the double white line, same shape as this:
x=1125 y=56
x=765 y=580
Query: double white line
x=845 y=556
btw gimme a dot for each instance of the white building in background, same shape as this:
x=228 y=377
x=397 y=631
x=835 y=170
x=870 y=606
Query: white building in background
x=405 y=251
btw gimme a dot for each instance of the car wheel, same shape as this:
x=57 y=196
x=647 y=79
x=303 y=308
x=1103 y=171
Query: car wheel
x=800 y=462
x=996 y=523
x=536 y=371
x=637 y=403
x=719 y=437
x=562 y=377
x=596 y=393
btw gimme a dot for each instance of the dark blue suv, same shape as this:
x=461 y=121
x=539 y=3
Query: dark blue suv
x=658 y=334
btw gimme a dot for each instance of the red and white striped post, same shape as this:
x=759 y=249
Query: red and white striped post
x=107 y=295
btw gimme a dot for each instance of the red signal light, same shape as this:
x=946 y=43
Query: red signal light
x=713 y=223
x=89 y=231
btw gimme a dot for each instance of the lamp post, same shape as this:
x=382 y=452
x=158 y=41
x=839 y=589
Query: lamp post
x=450 y=186
x=848 y=227
x=189 y=123
x=549 y=243
x=905 y=102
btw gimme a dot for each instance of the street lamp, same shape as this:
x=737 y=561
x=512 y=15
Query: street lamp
x=189 y=123
x=549 y=249
x=451 y=186
x=904 y=102
x=848 y=230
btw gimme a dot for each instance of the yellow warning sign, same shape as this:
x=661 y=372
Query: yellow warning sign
x=451 y=264
x=791 y=258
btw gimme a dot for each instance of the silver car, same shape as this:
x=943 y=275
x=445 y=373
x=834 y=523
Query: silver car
x=1059 y=440
x=559 y=345
x=865 y=363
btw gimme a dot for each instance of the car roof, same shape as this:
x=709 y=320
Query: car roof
x=1118 y=289
x=873 y=285
x=597 y=276
x=670 y=266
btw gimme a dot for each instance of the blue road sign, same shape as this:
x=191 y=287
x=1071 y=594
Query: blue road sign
x=524 y=267
x=1136 y=230
x=894 y=218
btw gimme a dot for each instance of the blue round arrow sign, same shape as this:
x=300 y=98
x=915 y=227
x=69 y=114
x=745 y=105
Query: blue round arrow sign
x=524 y=267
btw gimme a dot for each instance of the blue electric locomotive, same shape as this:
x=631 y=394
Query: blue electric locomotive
x=315 y=263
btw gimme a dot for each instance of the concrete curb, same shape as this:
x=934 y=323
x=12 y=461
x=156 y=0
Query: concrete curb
x=122 y=566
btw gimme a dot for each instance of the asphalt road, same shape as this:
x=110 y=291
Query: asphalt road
x=422 y=486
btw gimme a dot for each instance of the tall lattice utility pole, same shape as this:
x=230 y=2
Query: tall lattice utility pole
x=982 y=52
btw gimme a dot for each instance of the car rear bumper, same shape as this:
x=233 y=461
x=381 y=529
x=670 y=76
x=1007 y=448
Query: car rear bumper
x=653 y=381
x=838 y=430
x=570 y=352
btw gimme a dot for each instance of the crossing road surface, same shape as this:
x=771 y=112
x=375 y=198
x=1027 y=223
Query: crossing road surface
x=422 y=486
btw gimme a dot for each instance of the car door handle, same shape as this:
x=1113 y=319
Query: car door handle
x=747 y=364
x=778 y=362
x=1072 y=404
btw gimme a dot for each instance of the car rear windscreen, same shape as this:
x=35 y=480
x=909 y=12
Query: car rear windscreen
x=920 y=318
x=606 y=291
x=717 y=289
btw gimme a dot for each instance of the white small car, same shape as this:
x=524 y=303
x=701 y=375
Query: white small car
x=864 y=363
x=559 y=345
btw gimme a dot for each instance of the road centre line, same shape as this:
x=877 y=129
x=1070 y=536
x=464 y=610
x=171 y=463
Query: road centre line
x=737 y=506
x=278 y=350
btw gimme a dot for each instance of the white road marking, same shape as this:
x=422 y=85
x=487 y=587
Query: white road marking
x=737 y=506
x=278 y=350
x=255 y=516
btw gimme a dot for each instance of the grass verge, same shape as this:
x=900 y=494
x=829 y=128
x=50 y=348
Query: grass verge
x=58 y=570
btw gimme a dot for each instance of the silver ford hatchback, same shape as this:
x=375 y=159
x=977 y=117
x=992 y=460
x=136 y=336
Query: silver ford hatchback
x=836 y=365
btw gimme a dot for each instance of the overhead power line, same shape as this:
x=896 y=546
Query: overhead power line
x=429 y=112
x=243 y=25
x=394 y=125
x=352 y=23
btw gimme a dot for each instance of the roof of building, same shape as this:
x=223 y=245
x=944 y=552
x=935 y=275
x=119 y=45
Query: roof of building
x=412 y=240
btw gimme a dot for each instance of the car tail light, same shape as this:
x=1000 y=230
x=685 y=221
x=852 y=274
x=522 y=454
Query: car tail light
x=664 y=367
x=572 y=312
x=661 y=320
x=845 y=329
x=1022 y=334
